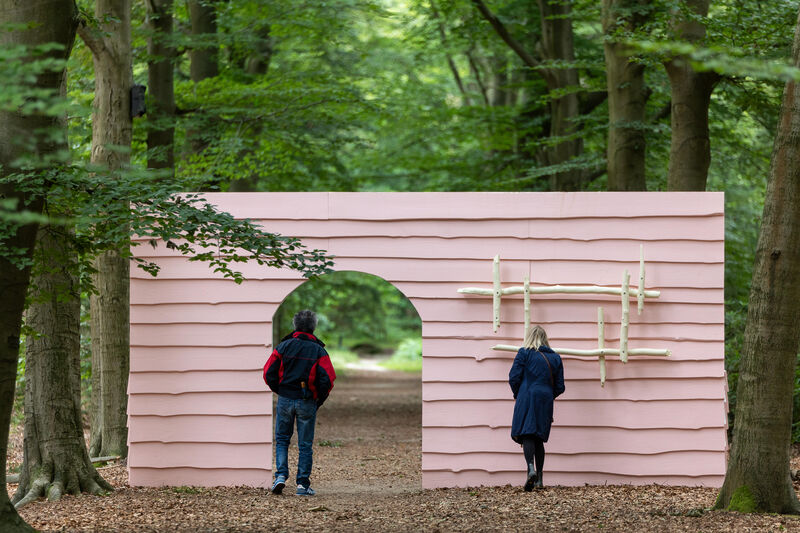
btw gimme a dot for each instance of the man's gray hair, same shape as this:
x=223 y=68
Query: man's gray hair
x=305 y=321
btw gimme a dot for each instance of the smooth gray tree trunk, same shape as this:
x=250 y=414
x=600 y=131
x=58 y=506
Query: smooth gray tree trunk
x=111 y=141
x=160 y=87
x=690 y=146
x=627 y=98
x=56 y=461
x=758 y=477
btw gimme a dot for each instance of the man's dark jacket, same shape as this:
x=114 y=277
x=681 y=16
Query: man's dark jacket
x=299 y=368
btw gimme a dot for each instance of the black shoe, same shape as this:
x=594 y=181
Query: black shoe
x=539 y=485
x=532 y=478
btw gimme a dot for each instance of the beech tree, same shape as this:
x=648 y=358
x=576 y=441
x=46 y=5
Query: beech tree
x=160 y=86
x=627 y=96
x=109 y=39
x=554 y=61
x=690 y=145
x=56 y=460
x=758 y=477
x=203 y=61
x=21 y=134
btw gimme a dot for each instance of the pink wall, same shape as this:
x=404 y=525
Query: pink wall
x=199 y=413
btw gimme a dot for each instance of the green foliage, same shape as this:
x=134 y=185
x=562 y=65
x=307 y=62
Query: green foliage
x=361 y=95
x=355 y=310
x=407 y=357
x=340 y=359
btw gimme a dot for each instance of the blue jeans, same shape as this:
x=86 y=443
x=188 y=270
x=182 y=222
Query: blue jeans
x=287 y=411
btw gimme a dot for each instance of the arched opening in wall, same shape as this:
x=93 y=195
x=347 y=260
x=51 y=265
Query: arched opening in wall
x=368 y=435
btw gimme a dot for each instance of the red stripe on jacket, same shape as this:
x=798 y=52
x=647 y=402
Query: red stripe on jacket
x=325 y=363
x=312 y=381
x=276 y=356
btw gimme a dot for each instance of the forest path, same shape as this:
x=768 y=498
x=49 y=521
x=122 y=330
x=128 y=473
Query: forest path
x=369 y=435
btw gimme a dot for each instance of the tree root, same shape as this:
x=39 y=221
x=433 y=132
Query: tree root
x=64 y=482
x=36 y=491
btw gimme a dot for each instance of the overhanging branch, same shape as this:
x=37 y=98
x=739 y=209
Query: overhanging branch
x=502 y=31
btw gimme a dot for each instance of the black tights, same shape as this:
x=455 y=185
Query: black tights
x=533 y=448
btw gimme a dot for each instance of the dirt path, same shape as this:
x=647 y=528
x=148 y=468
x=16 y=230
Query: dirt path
x=369 y=436
x=367 y=474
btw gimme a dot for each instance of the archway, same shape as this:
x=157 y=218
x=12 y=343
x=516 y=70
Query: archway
x=368 y=434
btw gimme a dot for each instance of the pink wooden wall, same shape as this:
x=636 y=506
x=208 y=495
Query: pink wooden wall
x=199 y=412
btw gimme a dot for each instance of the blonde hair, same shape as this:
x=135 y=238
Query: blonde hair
x=536 y=338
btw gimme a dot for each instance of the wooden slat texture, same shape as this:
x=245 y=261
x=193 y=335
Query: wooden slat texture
x=202 y=428
x=162 y=291
x=270 y=293
x=588 y=389
x=200 y=455
x=466 y=206
x=185 y=358
x=470 y=271
x=461 y=369
x=682 y=349
x=680 y=463
x=199 y=477
x=179 y=383
x=200 y=414
x=685 y=414
x=662 y=251
x=641 y=229
x=432 y=479
x=205 y=403
x=572 y=440
x=236 y=334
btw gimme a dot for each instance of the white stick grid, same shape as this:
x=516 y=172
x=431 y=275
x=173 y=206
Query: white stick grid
x=625 y=291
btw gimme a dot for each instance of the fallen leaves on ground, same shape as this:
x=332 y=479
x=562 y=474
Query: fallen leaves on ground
x=368 y=479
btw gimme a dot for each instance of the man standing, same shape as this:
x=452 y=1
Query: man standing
x=300 y=372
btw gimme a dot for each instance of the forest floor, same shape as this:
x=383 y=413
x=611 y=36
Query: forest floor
x=367 y=475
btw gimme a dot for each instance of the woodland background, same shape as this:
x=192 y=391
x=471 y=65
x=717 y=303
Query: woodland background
x=363 y=95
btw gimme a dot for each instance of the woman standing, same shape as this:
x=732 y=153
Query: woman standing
x=536 y=379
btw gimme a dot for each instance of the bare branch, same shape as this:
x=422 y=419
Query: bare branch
x=450 y=62
x=590 y=101
x=501 y=30
x=477 y=73
x=93 y=40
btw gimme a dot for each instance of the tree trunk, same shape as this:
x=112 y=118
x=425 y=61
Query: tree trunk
x=110 y=331
x=55 y=458
x=203 y=62
x=111 y=141
x=758 y=477
x=160 y=83
x=627 y=98
x=690 y=148
x=558 y=45
x=55 y=22
x=256 y=64
x=203 y=58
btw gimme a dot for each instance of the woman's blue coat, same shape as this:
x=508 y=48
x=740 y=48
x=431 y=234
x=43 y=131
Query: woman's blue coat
x=530 y=382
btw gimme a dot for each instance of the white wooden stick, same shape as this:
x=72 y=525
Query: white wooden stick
x=601 y=344
x=640 y=293
x=626 y=305
x=590 y=353
x=563 y=289
x=497 y=292
x=526 y=285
